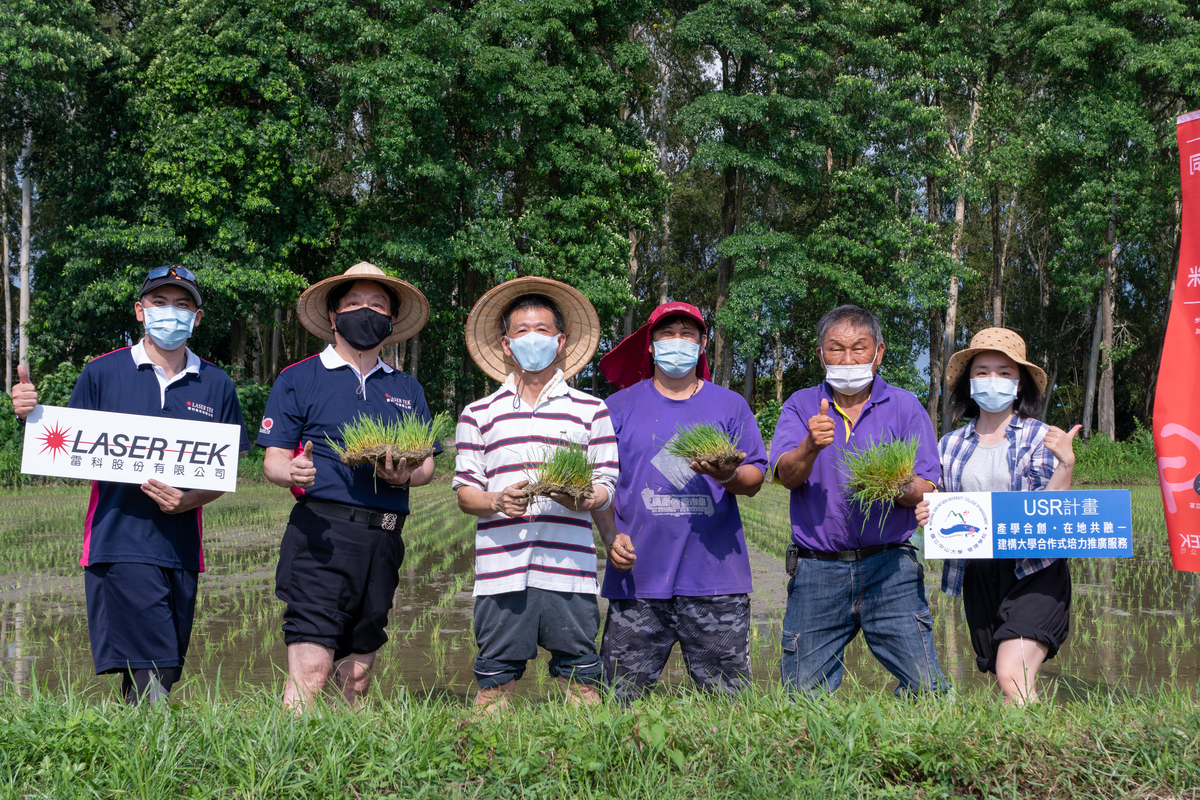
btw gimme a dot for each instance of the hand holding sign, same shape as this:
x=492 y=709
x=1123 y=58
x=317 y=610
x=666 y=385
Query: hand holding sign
x=24 y=395
x=821 y=427
x=303 y=472
x=169 y=499
x=1061 y=443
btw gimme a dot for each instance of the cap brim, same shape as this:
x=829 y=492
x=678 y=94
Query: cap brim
x=167 y=280
x=484 y=332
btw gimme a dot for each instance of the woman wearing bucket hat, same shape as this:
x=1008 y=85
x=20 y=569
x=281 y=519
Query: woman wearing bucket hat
x=1018 y=610
x=691 y=581
x=535 y=562
x=339 y=560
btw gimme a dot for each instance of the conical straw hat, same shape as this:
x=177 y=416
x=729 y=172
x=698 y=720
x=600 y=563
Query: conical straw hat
x=484 y=330
x=411 y=317
x=998 y=339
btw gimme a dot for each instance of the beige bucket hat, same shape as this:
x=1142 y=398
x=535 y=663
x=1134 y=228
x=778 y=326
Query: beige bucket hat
x=411 y=317
x=998 y=339
x=484 y=331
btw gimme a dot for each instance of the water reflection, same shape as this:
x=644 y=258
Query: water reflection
x=1133 y=621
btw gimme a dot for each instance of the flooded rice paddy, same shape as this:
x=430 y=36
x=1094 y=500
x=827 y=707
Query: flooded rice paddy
x=1134 y=623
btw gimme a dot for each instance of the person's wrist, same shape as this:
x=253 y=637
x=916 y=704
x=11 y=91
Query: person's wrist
x=728 y=480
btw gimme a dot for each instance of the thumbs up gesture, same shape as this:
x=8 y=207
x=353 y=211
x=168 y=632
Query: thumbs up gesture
x=302 y=471
x=24 y=395
x=821 y=427
x=1061 y=443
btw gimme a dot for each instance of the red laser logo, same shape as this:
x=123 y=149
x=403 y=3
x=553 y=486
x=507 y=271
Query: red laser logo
x=55 y=440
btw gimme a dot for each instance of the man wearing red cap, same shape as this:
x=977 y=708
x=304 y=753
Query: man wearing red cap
x=690 y=580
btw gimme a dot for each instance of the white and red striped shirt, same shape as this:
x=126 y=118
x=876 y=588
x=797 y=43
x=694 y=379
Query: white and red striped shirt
x=500 y=440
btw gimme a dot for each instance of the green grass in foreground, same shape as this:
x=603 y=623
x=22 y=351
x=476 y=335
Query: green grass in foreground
x=671 y=746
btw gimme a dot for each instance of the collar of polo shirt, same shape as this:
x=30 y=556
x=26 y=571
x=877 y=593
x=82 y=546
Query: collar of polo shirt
x=138 y=351
x=331 y=360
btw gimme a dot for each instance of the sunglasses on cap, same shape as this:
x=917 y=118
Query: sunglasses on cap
x=180 y=272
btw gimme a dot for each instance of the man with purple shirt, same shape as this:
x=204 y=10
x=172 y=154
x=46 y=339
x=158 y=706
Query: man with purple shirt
x=691 y=580
x=852 y=570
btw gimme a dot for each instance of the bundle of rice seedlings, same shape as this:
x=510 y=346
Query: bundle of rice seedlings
x=565 y=469
x=880 y=473
x=368 y=440
x=705 y=442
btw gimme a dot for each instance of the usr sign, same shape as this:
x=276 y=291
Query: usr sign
x=129 y=448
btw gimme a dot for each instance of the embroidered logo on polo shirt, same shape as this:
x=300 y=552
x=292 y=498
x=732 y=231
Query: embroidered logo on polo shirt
x=200 y=408
x=403 y=402
x=266 y=426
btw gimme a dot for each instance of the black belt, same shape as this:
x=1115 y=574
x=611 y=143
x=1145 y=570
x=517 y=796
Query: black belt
x=845 y=555
x=374 y=519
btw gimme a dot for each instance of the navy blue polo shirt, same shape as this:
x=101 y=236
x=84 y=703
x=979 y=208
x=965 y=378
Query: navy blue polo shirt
x=311 y=401
x=123 y=524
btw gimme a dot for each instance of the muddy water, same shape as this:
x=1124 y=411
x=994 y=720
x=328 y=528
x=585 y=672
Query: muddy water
x=1134 y=621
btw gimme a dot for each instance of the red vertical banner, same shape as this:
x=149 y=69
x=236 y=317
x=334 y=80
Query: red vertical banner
x=1177 y=396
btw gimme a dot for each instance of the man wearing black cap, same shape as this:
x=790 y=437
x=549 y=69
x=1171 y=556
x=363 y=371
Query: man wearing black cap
x=141 y=544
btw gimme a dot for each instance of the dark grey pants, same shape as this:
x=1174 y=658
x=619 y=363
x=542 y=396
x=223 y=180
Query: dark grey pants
x=510 y=626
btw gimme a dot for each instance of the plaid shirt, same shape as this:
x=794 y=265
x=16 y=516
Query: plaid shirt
x=1030 y=463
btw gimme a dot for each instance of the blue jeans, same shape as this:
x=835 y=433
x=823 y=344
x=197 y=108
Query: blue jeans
x=884 y=595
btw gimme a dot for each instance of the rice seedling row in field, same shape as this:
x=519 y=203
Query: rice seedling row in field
x=707 y=443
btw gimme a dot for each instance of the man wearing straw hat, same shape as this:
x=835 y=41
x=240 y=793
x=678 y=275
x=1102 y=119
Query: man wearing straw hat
x=852 y=570
x=339 y=561
x=142 y=551
x=692 y=581
x=535 y=562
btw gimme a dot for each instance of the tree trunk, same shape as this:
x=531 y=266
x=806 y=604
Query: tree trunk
x=1090 y=390
x=256 y=349
x=664 y=165
x=635 y=238
x=1107 y=402
x=1152 y=384
x=749 y=380
x=237 y=348
x=416 y=355
x=997 y=267
x=26 y=222
x=722 y=349
x=8 y=370
x=779 y=367
x=1049 y=395
x=275 y=331
x=933 y=203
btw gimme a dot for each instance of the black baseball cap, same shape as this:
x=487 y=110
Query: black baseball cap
x=174 y=275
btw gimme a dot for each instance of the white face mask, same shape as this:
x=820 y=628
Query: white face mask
x=992 y=393
x=849 y=378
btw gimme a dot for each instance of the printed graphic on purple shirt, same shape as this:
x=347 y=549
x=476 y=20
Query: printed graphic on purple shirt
x=685 y=527
x=823 y=517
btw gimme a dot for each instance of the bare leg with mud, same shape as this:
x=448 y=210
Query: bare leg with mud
x=579 y=694
x=495 y=699
x=309 y=666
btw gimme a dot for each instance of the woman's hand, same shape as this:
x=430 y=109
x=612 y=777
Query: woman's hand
x=1062 y=444
x=923 y=513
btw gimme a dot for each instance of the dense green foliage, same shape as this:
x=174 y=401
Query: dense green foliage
x=853 y=745
x=946 y=164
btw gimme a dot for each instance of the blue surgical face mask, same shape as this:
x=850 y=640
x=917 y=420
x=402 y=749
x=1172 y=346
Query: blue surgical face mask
x=534 y=351
x=676 y=357
x=993 y=394
x=168 y=326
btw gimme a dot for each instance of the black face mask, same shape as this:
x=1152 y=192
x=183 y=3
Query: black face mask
x=363 y=328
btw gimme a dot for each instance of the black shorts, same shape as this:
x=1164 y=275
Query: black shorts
x=139 y=615
x=338 y=579
x=998 y=606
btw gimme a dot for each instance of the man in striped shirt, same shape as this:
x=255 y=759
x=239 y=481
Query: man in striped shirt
x=535 y=561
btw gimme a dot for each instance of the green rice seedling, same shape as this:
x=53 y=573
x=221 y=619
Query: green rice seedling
x=705 y=442
x=880 y=473
x=368 y=440
x=565 y=469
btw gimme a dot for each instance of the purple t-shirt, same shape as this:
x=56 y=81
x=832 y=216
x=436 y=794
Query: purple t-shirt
x=685 y=527
x=823 y=517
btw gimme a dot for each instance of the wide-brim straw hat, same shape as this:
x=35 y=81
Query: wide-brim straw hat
x=484 y=330
x=412 y=315
x=993 y=339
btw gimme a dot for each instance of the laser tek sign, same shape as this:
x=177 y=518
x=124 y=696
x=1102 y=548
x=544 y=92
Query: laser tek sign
x=130 y=448
x=1076 y=524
